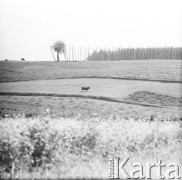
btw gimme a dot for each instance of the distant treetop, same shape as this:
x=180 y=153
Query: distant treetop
x=60 y=48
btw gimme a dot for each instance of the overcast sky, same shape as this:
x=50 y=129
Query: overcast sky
x=29 y=27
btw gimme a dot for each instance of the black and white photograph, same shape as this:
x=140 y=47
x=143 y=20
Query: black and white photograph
x=91 y=89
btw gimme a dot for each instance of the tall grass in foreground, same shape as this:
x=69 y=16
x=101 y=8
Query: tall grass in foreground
x=46 y=147
x=136 y=54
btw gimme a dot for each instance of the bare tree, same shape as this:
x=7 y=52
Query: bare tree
x=60 y=48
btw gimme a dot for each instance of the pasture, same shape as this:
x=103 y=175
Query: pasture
x=84 y=108
x=132 y=108
x=156 y=70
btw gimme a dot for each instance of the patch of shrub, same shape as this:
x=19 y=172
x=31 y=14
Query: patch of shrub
x=154 y=98
x=29 y=115
x=70 y=144
x=81 y=141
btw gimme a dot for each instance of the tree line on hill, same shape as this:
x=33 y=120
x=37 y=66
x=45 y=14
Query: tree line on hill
x=117 y=54
x=136 y=54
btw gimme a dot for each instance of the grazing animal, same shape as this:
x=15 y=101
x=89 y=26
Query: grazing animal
x=85 y=88
x=22 y=59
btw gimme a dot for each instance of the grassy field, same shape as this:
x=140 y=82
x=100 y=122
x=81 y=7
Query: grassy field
x=166 y=70
x=84 y=108
x=50 y=129
x=114 y=88
x=106 y=96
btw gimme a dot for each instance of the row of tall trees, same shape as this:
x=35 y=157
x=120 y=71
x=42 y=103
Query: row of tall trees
x=70 y=54
x=136 y=54
x=120 y=53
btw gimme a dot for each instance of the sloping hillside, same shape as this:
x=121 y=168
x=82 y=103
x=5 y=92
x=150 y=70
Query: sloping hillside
x=157 y=70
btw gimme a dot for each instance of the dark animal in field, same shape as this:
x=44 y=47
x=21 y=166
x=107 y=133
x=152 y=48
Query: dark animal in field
x=152 y=118
x=85 y=88
x=6 y=60
x=22 y=59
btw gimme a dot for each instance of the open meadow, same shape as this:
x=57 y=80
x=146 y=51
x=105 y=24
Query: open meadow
x=157 y=70
x=50 y=128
